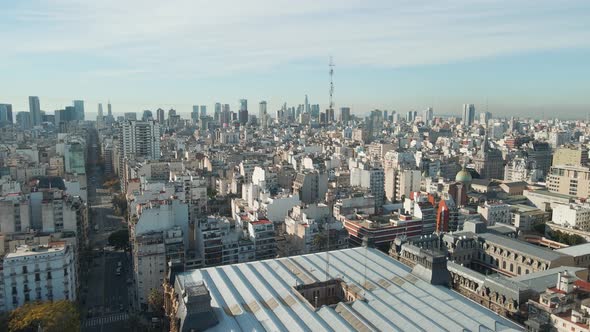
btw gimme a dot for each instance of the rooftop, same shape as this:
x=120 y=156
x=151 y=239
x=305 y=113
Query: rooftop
x=261 y=295
x=522 y=247
x=577 y=250
x=25 y=250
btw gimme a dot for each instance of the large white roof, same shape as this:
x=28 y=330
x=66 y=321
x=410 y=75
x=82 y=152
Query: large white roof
x=259 y=296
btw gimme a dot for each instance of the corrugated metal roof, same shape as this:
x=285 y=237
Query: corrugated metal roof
x=259 y=296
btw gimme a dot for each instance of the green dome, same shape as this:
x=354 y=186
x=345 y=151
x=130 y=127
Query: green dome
x=463 y=176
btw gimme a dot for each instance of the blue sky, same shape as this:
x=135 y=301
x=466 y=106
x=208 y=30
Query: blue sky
x=511 y=57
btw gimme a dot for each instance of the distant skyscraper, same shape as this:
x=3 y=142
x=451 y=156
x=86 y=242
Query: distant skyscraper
x=160 y=116
x=79 y=107
x=315 y=111
x=468 y=114
x=262 y=109
x=100 y=118
x=225 y=117
x=345 y=114
x=6 y=114
x=171 y=114
x=109 y=109
x=130 y=116
x=195 y=114
x=484 y=118
x=307 y=106
x=243 y=113
x=217 y=114
x=410 y=116
x=23 y=120
x=203 y=110
x=35 y=109
x=147 y=115
x=428 y=115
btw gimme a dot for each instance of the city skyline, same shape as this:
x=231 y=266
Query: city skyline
x=514 y=58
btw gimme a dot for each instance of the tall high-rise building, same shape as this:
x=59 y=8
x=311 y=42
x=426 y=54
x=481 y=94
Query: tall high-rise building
x=217 y=114
x=195 y=114
x=109 y=109
x=468 y=114
x=410 y=117
x=203 y=110
x=225 y=117
x=23 y=120
x=344 y=114
x=140 y=139
x=484 y=118
x=160 y=115
x=243 y=113
x=6 y=114
x=428 y=115
x=147 y=115
x=262 y=109
x=35 y=109
x=307 y=106
x=79 y=107
x=100 y=117
x=315 y=111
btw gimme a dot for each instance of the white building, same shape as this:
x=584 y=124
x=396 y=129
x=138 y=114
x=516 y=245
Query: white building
x=494 y=213
x=572 y=215
x=140 y=139
x=39 y=273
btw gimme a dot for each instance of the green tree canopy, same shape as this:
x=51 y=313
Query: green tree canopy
x=119 y=239
x=156 y=301
x=58 y=316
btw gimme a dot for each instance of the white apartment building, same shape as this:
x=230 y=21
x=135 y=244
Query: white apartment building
x=39 y=273
x=572 y=215
x=494 y=213
x=14 y=214
x=140 y=139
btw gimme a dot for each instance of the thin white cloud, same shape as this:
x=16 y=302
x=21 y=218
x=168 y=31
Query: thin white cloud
x=224 y=37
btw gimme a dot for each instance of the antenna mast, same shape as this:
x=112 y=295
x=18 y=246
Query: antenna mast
x=331 y=84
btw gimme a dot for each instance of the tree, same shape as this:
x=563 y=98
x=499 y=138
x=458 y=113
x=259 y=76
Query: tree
x=320 y=240
x=569 y=239
x=119 y=239
x=156 y=301
x=540 y=228
x=120 y=203
x=58 y=316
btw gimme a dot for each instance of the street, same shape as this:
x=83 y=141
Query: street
x=105 y=292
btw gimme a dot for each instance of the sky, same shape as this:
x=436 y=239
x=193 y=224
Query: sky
x=524 y=58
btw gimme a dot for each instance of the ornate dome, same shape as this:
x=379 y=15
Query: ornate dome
x=463 y=176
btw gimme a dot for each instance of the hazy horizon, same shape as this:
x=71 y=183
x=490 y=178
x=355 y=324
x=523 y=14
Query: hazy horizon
x=522 y=58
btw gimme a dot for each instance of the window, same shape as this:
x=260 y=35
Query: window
x=25 y=269
x=49 y=275
x=37 y=277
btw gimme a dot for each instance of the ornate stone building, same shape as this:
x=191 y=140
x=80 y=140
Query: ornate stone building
x=501 y=295
x=489 y=162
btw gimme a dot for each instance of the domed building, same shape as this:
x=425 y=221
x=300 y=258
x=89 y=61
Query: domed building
x=464 y=176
